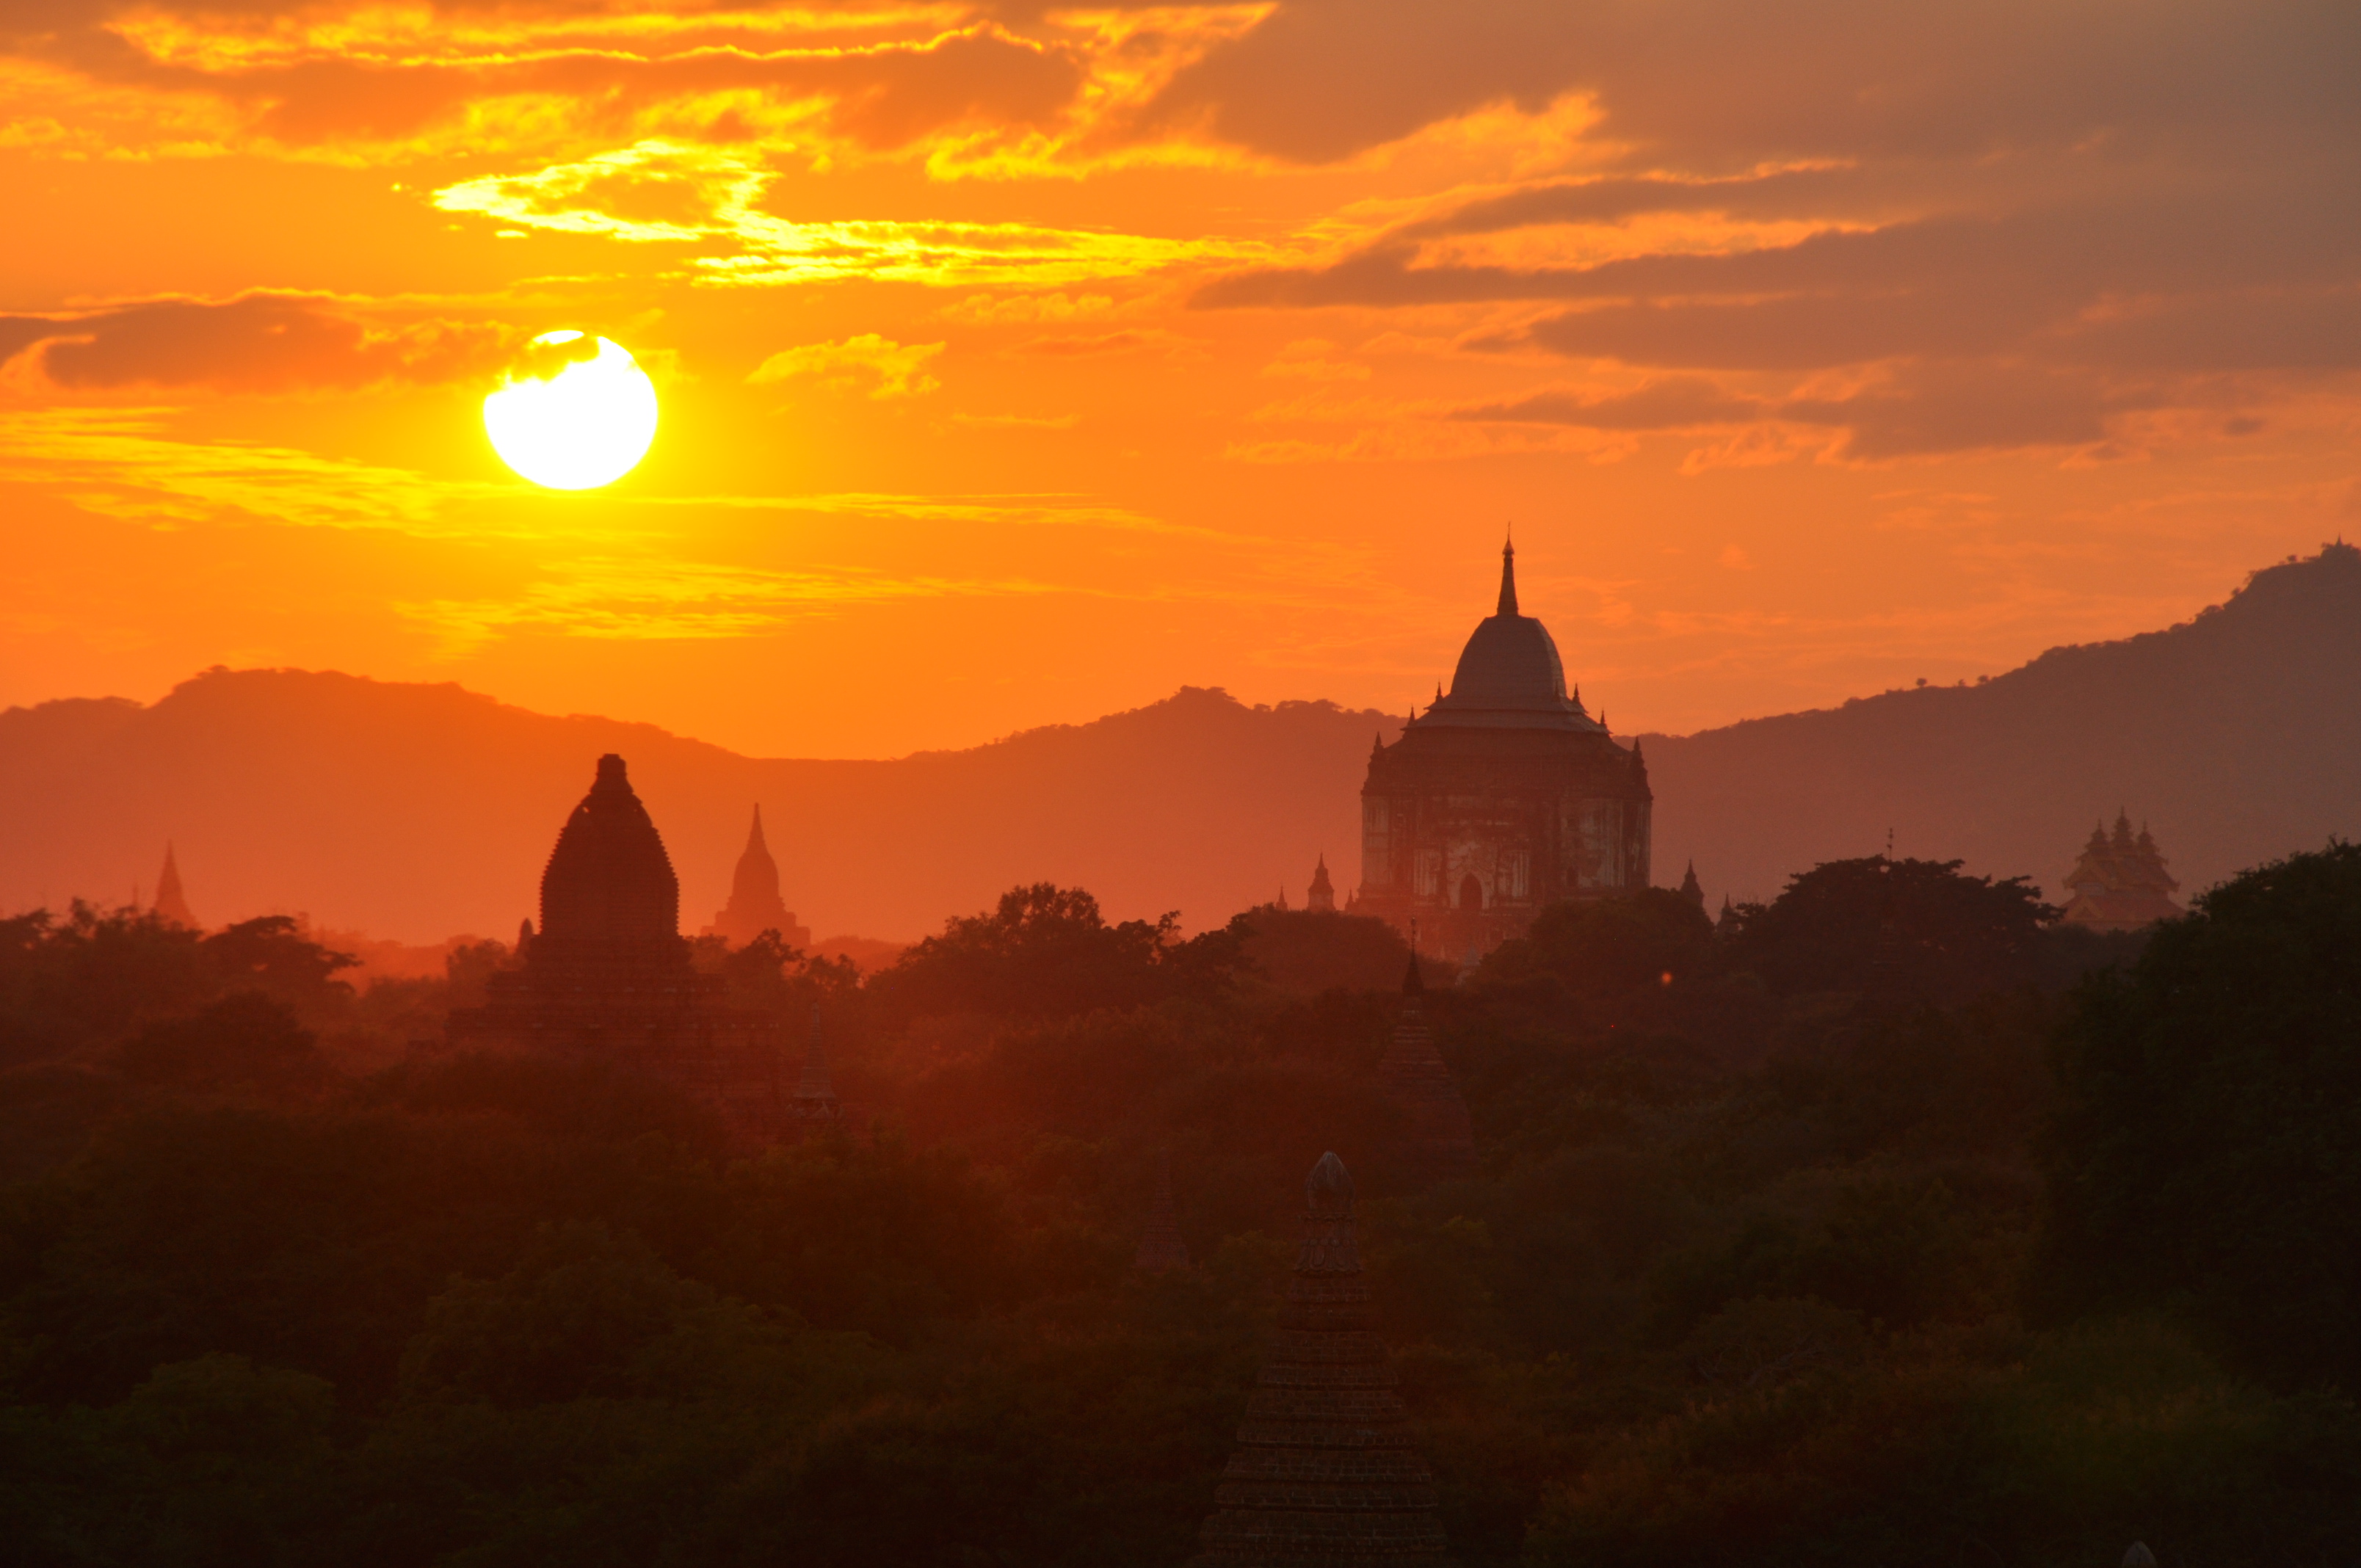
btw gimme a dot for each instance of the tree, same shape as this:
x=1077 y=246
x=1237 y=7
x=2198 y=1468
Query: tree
x=2207 y=1151
x=1609 y=948
x=1911 y=929
x=1048 y=952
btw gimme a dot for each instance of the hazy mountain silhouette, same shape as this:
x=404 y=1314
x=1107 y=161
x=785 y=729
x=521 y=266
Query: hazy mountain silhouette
x=415 y=811
x=2235 y=735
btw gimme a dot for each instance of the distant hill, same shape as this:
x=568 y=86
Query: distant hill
x=2236 y=737
x=414 y=811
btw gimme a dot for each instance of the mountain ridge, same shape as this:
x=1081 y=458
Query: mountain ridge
x=413 y=810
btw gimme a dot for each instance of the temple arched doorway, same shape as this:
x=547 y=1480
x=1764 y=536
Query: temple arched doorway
x=1471 y=893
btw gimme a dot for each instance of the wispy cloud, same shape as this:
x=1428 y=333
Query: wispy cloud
x=881 y=367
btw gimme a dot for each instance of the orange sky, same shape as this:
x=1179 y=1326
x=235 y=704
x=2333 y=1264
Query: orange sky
x=1020 y=364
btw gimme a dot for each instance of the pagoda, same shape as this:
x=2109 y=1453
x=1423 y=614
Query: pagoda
x=1504 y=796
x=172 y=906
x=2120 y=884
x=607 y=976
x=1321 y=897
x=1438 y=1139
x=1325 y=1475
x=754 y=903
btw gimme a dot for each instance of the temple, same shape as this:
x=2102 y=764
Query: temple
x=1325 y=1475
x=2120 y=884
x=607 y=976
x=754 y=903
x=172 y=906
x=1322 y=896
x=1438 y=1142
x=1503 y=796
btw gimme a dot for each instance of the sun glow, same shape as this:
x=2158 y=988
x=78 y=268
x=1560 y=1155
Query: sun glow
x=576 y=413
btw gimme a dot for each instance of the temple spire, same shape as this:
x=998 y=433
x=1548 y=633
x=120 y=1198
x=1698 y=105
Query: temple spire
x=1508 y=579
x=171 y=905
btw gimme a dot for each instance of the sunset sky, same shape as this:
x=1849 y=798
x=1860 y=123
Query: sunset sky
x=1019 y=364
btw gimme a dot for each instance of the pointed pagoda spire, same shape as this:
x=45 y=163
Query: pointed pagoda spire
x=1161 y=1250
x=1325 y=1473
x=754 y=903
x=1729 y=915
x=525 y=938
x=1508 y=579
x=816 y=1097
x=171 y=905
x=1322 y=894
x=1692 y=889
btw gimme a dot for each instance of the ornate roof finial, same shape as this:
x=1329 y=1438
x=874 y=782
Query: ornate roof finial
x=1508 y=579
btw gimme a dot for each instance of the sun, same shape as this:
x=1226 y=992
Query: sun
x=576 y=412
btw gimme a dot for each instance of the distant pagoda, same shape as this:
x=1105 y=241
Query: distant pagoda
x=172 y=906
x=1325 y=1475
x=1161 y=1250
x=754 y=903
x=607 y=976
x=1438 y=1139
x=1322 y=896
x=2120 y=884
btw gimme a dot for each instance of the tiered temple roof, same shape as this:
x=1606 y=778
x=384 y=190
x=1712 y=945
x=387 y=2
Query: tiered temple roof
x=2120 y=882
x=607 y=976
x=1438 y=1139
x=1325 y=1475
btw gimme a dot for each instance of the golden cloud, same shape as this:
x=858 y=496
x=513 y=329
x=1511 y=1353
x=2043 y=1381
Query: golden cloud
x=888 y=368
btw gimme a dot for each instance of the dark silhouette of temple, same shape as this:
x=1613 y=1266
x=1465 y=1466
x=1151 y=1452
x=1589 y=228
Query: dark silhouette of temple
x=1438 y=1141
x=2120 y=884
x=1503 y=796
x=754 y=903
x=608 y=978
x=171 y=905
x=1321 y=897
x=1325 y=1475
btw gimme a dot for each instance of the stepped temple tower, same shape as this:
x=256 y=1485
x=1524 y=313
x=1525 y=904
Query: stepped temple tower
x=1161 y=1250
x=607 y=976
x=1325 y=1475
x=754 y=903
x=2120 y=884
x=172 y=906
x=1438 y=1140
x=1503 y=796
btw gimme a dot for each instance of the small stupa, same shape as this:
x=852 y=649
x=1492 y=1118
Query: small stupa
x=172 y=906
x=1322 y=896
x=1438 y=1139
x=2120 y=882
x=1692 y=889
x=1161 y=1250
x=754 y=903
x=1325 y=1475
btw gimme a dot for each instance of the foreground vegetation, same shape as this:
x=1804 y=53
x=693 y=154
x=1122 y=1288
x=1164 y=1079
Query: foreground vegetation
x=1886 y=1224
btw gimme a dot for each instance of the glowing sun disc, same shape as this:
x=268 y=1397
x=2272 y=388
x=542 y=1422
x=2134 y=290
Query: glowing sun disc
x=586 y=424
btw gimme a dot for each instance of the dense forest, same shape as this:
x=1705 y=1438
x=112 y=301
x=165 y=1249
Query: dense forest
x=1886 y=1222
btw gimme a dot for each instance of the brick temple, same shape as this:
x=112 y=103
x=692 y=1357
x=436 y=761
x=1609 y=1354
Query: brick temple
x=1325 y=1475
x=608 y=978
x=1504 y=796
x=1438 y=1141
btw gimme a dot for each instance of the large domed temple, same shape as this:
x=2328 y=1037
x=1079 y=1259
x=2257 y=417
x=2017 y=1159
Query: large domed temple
x=607 y=976
x=1503 y=796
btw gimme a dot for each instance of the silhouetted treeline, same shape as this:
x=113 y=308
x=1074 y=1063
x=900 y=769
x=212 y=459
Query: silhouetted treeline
x=1884 y=1222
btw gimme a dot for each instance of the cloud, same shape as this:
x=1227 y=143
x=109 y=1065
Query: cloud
x=648 y=598
x=257 y=343
x=1676 y=403
x=886 y=369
